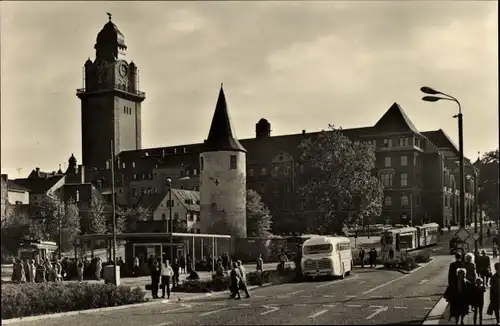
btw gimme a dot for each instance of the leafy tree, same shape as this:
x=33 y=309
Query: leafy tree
x=54 y=214
x=127 y=217
x=488 y=183
x=15 y=226
x=259 y=219
x=339 y=171
x=97 y=219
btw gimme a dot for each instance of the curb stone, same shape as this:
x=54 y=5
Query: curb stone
x=135 y=305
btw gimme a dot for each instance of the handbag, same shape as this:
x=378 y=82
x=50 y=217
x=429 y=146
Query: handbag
x=489 y=311
x=446 y=313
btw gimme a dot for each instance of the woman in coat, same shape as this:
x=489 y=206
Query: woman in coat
x=235 y=276
x=155 y=277
x=457 y=294
x=98 y=268
x=470 y=268
x=32 y=270
x=494 y=306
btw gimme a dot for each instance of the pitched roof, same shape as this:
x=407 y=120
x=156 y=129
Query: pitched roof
x=221 y=137
x=12 y=185
x=189 y=198
x=441 y=140
x=395 y=119
x=38 y=185
x=151 y=201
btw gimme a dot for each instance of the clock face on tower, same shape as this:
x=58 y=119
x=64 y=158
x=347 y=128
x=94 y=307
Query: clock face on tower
x=123 y=69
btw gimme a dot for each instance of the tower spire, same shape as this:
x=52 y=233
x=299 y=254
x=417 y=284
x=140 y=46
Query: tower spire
x=109 y=15
x=220 y=136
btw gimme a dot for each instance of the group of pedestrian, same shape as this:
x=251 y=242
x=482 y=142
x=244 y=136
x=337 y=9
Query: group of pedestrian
x=372 y=257
x=36 y=271
x=467 y=282
x=162 y=275
x=238 y=278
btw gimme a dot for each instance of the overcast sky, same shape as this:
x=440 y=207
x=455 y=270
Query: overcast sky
x=301 y=65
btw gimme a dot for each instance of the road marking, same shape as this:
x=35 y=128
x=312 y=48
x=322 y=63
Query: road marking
x=376 y=296
x=400 y=307
x=283 y=296
x=258 y=296
x=329 y=305
x=351 y=296
x=354 y=305
x=244 y=304
x=386 y=283
x=270 y=309
x=163 y=324
x=183 y=306
x=426 y=299
x=319 y=313
x=328 y=296
x=293 y=293
x=338 y=281
x=219 y=304
x=300 y=305
x=377 y=311
x=423 y=281
x=213 y=312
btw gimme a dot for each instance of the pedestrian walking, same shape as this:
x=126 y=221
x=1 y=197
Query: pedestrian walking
x=362 y=257
x=176 y=269
x=495 y=251
x=477 y=300
x=79 y=269
x=452 y=270
x=373 y=257
x=98 y=268
x=483 y=265
x=457 y=295
x=135 y=267
x=243 y=279
x=260 y=264
x=470 y=268
x=494 y=306
x=235 y=277
x=31 y=270
x=155 y=278
x=166 y=275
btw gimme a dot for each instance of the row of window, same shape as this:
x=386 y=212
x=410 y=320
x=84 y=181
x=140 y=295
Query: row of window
x=189 y=217
x=387 y=179
x=127 y=110
x=403 y=161
x=405 y=200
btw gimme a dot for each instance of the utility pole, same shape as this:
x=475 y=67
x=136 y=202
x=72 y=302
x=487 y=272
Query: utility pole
x=113 y=200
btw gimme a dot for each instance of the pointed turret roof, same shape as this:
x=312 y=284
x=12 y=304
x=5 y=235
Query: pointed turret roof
x=221 y=137
x=395 y=119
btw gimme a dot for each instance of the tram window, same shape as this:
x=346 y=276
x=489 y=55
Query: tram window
x=398 y=242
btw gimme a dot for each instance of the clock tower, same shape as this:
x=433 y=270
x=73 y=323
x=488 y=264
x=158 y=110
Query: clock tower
x=111 y=101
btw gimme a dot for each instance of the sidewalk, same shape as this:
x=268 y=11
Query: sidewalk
x=435 y=317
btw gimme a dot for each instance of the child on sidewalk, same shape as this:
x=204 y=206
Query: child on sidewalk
x=477 y=300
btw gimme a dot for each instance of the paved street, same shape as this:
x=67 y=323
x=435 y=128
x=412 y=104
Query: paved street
x=369 y=296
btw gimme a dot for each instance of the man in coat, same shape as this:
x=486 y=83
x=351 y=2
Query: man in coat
x=452 y=271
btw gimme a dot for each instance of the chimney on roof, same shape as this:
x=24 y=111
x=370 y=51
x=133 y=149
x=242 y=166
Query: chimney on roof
x=303 y=132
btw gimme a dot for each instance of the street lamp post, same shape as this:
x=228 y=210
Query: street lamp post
x=169 y=183
x=433 y=98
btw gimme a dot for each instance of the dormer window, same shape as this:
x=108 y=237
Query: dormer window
x=195 y=171
x=123 y=165
x=133 y=164
x=107 y=164
x=387 y=142
x=134 y=176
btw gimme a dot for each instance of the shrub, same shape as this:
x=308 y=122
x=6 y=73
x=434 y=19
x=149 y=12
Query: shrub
x=28 y=299
x=422 y=257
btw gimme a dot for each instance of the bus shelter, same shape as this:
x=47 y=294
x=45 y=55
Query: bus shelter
x=198 y=246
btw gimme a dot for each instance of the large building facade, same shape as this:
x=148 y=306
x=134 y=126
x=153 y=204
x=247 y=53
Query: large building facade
x=419 y=170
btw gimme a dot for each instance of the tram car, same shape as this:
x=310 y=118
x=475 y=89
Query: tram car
x=400 y=239
x=428 y=235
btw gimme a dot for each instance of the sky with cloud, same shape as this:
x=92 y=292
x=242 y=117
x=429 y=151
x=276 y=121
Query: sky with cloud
x=301 y=65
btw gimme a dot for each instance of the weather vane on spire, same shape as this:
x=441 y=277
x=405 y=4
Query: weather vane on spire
x=109 y=16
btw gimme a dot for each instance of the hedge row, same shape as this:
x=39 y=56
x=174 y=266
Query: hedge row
x=217 y=284
x=29 y=299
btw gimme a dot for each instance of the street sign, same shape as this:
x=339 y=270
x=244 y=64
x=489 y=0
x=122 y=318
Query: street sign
x=476 y=236
x=462 y=234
